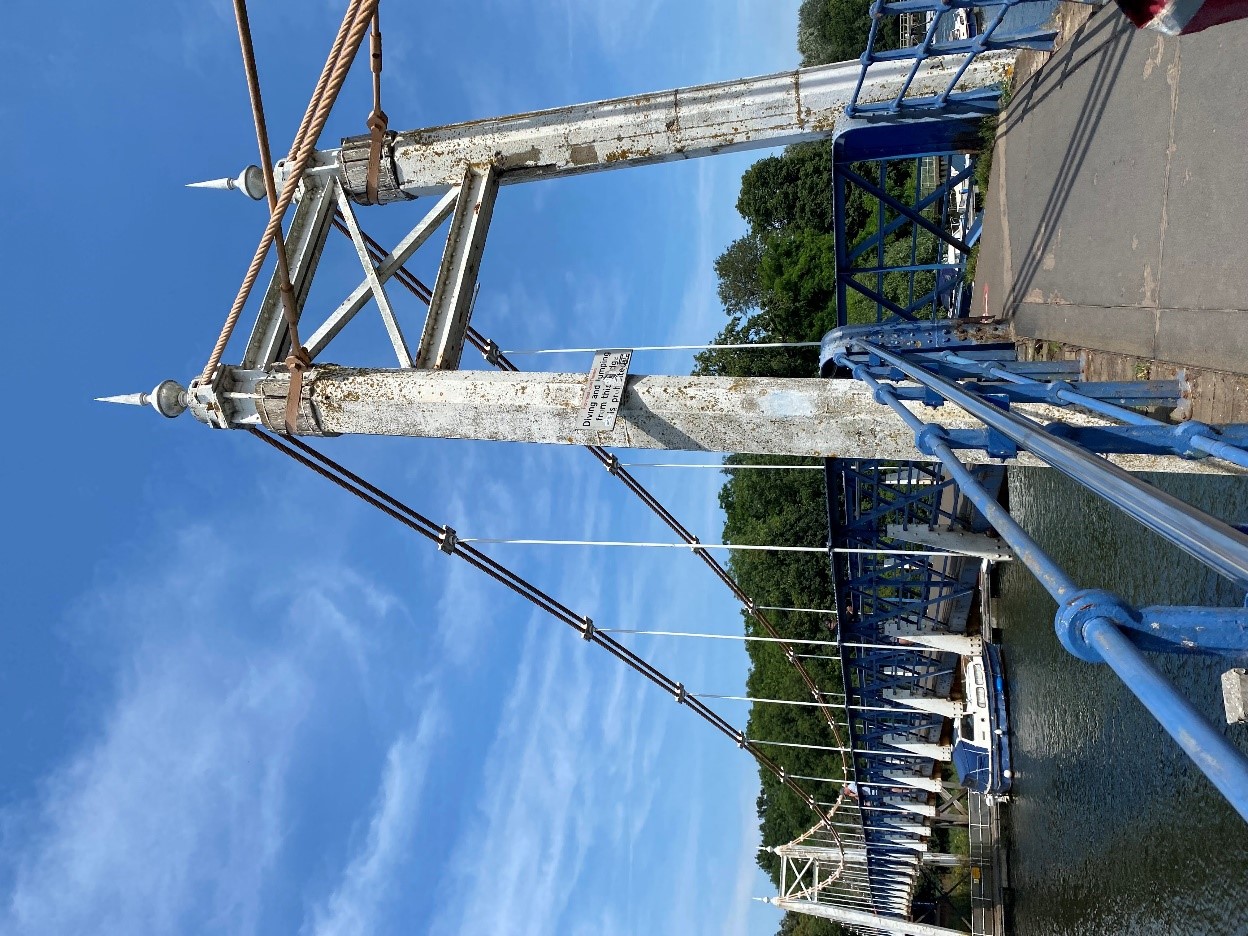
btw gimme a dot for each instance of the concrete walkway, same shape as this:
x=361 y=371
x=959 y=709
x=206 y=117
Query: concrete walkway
x=1117 y=216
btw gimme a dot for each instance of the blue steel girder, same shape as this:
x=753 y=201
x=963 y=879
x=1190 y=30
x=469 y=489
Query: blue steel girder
x=1035 y=39
x=874 y=590
x=894 y=580
x=924 y=266
x=915 y=216
x=921 y=504
x=881 y=669
x=886 y=500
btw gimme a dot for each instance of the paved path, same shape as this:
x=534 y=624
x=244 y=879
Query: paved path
x=1117 y=217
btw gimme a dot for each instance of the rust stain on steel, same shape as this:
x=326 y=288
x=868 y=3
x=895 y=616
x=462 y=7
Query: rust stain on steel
x=797 y=97
x=826 y=121
x=622 y=154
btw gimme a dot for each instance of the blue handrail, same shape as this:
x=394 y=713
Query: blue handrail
x=1095 y=625
x=1216 y=544
x=931 y=46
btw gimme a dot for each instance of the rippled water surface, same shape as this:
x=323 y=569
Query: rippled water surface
x=1114 y=830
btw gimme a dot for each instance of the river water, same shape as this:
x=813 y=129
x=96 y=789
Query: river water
x=1114 y=831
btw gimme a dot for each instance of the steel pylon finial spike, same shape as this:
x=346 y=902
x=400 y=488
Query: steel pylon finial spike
x=129 y=399
x=250 y=182
x=225 y=184
x=168 y=399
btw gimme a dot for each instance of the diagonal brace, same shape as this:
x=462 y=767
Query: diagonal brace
x=305 y=240
x=904 y=209
x=385 y=269
x=374 y=283
x=940 y=192
x=442 y=341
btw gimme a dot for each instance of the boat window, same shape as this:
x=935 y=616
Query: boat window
x=968 y=727
x=978 y=669
x=980 y=696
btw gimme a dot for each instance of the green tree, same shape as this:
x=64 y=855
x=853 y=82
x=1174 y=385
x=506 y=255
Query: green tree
x=764 y=362
x=837 y=30
x=798 y=275
x=797 y=924
x=794 y=188
x=737 y=271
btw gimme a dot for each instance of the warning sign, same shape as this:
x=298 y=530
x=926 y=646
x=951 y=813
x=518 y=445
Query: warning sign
x=605 y=390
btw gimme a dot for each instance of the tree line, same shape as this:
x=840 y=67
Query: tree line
x=777 y=283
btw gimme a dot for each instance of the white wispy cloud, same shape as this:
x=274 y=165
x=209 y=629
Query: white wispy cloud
x=568 y=770
x=513 y=868
x=172 y=816
x=748 y=881
x=204 y=33
x=172 y=811
x=369 y=880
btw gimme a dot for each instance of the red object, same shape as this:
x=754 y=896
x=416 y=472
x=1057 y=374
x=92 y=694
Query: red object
x=1182 y=17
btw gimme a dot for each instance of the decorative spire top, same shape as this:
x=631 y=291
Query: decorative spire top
x=129 y=399
x=250 y=182
x=168 y=398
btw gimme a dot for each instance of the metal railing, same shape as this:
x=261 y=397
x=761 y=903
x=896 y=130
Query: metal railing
x=953 y=28
x=1092 y=624
x=910 y=263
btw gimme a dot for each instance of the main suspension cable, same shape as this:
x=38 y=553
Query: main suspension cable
x=490 y=351
x=446 y=541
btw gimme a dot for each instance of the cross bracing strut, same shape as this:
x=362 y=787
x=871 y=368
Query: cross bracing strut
x=473 y=159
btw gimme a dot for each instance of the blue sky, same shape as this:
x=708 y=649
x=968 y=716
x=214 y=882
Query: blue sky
x=235 y=700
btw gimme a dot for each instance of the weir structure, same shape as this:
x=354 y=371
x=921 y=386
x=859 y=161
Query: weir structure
x=905 y=348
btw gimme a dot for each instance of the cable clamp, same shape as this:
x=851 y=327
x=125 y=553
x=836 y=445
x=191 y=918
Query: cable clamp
x=680 y=694
x=1055 y=391
x=297 y=362
x=378 y=123
x=1084 y=606
x=741 y=740
x=448 y=540
x=491 y=352
x=613 y=465
x=930 y=436
x=696 y=544
x=587 y=629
